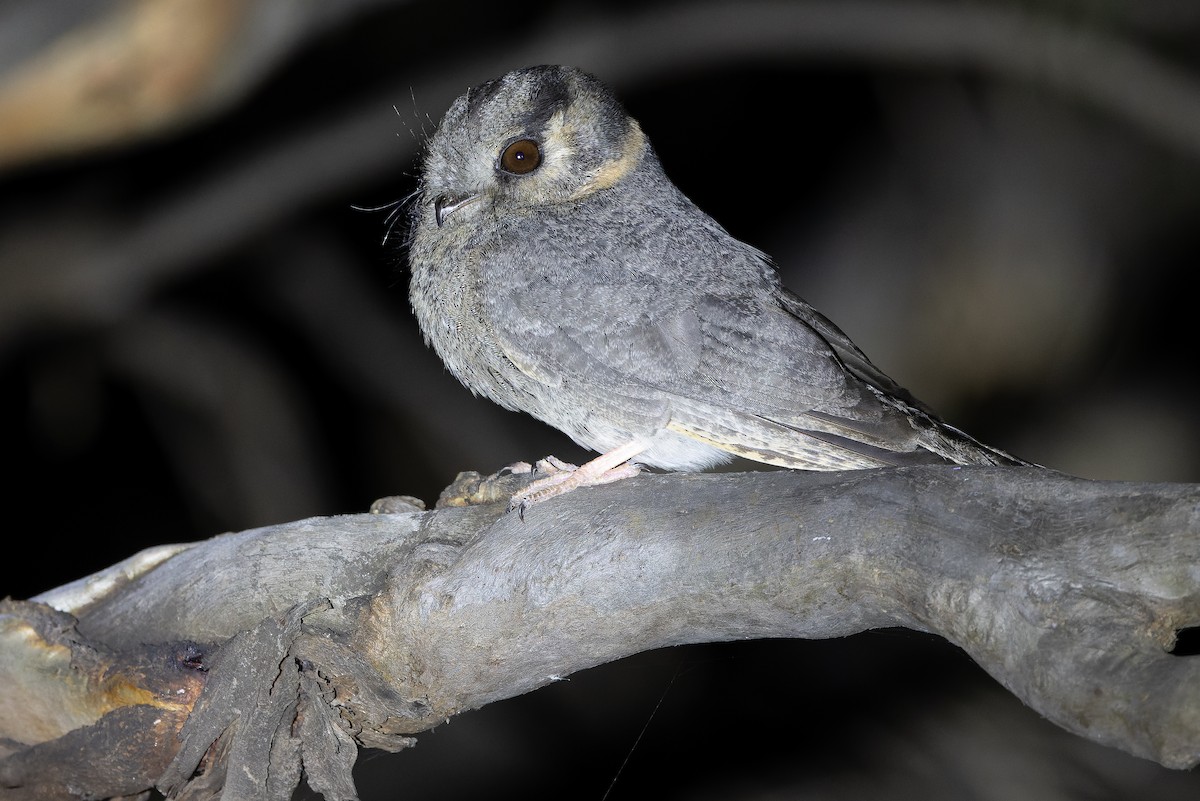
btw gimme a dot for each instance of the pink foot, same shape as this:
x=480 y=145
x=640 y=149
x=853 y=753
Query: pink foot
x=563 y=477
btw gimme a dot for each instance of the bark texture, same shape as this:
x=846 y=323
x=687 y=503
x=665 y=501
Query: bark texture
x=277 y=651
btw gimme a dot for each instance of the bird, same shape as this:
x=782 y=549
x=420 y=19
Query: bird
x=557 y=270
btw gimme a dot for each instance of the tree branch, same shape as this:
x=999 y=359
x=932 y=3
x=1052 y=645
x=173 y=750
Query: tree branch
x=377 y=627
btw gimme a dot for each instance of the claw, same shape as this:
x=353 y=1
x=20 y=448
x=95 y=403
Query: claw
x=562 y=477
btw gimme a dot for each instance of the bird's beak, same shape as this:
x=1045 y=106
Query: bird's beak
x=445 y=205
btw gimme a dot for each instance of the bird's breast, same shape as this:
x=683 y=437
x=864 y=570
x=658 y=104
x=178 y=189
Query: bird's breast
x=447 y=296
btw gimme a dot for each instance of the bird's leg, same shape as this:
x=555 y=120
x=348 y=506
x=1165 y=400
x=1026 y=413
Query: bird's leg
x=605 y=468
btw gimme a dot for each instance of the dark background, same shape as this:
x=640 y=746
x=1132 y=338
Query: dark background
x=201 y=330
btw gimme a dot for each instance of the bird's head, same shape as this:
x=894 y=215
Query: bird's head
x=533 y=137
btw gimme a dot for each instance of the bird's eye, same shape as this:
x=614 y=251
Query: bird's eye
x=521 y=157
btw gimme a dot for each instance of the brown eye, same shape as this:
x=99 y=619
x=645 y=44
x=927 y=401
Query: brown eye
x=522 y=156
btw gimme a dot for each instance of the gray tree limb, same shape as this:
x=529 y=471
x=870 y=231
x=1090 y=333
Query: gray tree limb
x=276 y=650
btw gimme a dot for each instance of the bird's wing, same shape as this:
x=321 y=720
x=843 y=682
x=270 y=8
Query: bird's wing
x=740 y=371
x=853 y=415
x=606 y=332
x=780 y=392
x=738 y=363
x=850 y=355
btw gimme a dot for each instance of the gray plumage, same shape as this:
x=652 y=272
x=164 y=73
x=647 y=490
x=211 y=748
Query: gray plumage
x=581 y=286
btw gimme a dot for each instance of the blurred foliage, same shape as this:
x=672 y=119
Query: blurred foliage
x=201 y=330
